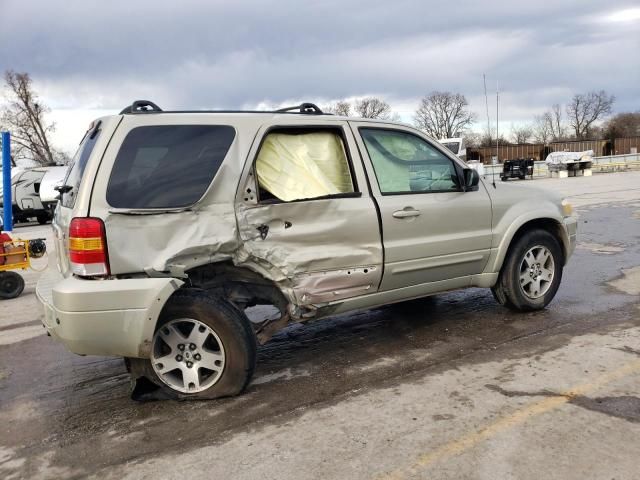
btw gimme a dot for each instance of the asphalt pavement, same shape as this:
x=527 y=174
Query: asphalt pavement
x=451 y=386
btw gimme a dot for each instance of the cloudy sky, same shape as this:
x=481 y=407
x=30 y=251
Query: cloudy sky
x=89 y=58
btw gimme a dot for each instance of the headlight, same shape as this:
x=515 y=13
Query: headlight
x=567 y=209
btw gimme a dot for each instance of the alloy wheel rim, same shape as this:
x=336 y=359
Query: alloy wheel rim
x=537 y=271
x=187 y=355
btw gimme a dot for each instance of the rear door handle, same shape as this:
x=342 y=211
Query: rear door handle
x=410 y=212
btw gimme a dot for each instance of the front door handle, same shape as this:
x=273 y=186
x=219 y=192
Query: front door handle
x=410 y=212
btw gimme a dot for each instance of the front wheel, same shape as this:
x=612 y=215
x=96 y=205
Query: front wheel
x=532 y=271
x=203 y=348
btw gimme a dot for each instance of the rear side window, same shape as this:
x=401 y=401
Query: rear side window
x=303 y=164
x=167 y=166
x=78 y=164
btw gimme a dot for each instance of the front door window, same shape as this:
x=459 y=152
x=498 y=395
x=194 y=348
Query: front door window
x=405 y=163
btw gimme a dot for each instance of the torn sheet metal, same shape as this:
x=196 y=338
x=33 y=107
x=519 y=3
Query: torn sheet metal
x=304 y=247
x=323 y=287
x=330 y=235
x=194 y=237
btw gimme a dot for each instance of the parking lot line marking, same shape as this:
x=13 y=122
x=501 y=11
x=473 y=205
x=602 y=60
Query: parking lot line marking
x=471 y=439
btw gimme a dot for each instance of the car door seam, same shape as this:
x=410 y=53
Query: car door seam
x=375 y=203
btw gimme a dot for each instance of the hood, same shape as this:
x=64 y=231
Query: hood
x=518 y=191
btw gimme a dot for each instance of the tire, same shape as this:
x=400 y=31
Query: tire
x=196 y=331
x=42 y=219
x=11 y=285
x=531 y=273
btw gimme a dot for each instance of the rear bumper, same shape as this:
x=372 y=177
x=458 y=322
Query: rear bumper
x=103 y=317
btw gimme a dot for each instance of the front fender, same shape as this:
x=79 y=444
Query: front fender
x=546 y=213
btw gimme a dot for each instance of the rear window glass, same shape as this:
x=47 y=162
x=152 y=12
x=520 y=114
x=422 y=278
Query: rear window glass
x=167 y=166
x=78 y=164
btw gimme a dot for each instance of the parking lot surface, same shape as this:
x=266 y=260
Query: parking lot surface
x=452 y=386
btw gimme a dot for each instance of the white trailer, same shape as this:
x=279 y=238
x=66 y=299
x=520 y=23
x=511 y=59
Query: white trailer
x=48 y=194
x=26 y=202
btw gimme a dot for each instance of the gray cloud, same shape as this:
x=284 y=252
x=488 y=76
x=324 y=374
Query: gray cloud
x=197 y=54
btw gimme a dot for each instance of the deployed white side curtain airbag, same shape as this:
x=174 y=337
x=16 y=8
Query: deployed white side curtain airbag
x=308 y=165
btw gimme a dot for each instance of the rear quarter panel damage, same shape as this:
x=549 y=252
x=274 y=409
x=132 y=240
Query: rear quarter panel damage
x=331 y=249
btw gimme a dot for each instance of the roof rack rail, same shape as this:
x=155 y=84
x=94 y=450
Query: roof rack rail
x=310 y=108
x=146 y=106
x=141 y=106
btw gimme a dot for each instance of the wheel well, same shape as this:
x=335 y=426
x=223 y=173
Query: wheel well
x=550 y=225
x=243 y=287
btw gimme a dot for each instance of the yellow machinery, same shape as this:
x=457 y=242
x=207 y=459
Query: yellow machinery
x=16 y=255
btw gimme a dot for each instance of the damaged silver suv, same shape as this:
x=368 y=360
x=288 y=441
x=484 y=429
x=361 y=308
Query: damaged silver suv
x=172 y=225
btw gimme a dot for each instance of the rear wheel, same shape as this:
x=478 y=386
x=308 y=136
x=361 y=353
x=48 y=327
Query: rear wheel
x=532 y=272
x=203 y=347
x=11 y=285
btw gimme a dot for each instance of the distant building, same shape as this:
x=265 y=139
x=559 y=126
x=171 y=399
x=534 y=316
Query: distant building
x=539 y=151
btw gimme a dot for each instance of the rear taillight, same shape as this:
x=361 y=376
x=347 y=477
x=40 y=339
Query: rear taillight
x=88 y=247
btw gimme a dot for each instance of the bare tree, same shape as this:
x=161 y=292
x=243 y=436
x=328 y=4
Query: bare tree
x=476 y=139
x=623 y=125
x=586 y=109
x=550 y=125
x=558 y=130
x=372 y=107
x=521 y=134
x=443 y=114
x=542 y=129
x=490 y=141
x=342 y=108
x=23 y=115
x=472 y=139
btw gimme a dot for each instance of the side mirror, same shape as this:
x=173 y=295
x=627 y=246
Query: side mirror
x=471 y=179
x=63 y=188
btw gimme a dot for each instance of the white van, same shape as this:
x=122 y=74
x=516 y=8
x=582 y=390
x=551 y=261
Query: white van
x=456 y=145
